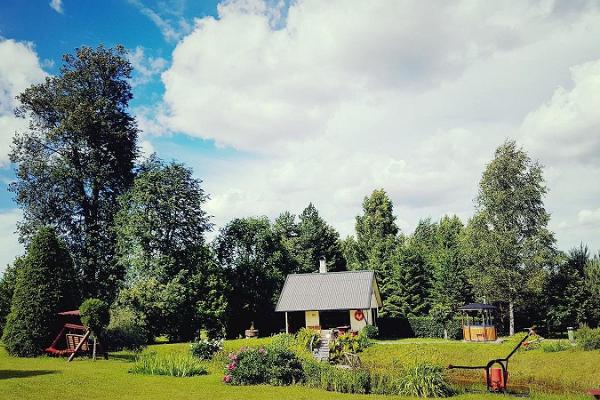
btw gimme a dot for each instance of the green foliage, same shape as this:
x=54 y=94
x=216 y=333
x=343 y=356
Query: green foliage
x=587 y=338
x=410 y=280
x=256 y=264
x=284 y=366
x=370 y=331
x=8 y=282
x=171 y=364
x=309 y=239
x=76 y=158
x=508 y=246
x=375 y=243
x=247 y=367
x=95 y=315
x=160 y=230
x=420 y=380
x=553 y=347
x=161 y=222
x=570 y=300
x=126 y=331
x=347 y=343
x=423 y=380
x=205 y=349
x=45 y=286
x=305 y=337
x=427 y=327
x=327 y=377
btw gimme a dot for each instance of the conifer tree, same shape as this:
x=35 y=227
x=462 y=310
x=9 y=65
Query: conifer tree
x=45 y=286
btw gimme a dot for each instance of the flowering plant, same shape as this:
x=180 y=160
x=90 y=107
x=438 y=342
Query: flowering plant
x=205 y=349
x=247 y=367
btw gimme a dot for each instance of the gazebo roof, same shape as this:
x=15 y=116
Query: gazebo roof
x=477 y=307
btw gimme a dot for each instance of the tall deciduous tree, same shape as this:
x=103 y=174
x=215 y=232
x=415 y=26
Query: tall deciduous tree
x=376 y=241
x=256 y=263
x=45 y=285
x=76 y=158
x=171 y=277
x=510 y=244
x=161 y=223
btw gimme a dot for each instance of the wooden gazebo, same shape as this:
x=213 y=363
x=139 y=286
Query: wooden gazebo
x=478 y=322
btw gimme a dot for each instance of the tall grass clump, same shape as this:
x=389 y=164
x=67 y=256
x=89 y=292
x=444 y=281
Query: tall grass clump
x=170 y=364
x=587 y=338
x=423 y=380
x=553 y=347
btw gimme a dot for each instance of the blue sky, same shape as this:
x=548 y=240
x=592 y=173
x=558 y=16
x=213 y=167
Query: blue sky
x=276 y=104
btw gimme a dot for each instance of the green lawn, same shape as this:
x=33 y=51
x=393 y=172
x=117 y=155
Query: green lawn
x=49 y=378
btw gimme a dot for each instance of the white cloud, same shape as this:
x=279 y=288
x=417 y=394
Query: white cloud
x=10 y=246
x=335 y=101
x=167 y=16
x=56 y=5
x=567 y=126
x=19 y=68
x=589 y=217
x=145 y=67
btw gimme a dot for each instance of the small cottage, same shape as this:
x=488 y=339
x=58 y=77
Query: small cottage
x=345 y=301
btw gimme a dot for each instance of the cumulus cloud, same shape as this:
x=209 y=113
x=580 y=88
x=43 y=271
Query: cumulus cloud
x=56 y=5
x=335 y=100
x=146 y=68
x=567 y=127
x=10 y=246
x=19 y=68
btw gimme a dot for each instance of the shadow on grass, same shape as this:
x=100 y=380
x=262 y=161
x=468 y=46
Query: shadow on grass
x=11 y=373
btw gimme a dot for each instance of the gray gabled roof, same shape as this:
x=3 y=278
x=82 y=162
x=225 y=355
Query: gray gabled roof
x=329 y=291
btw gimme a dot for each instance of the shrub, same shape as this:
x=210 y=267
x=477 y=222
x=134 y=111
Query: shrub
x=587 y=338
x=172 y=364
x=45 y=285
x=126 y=330
x=553 y=347
x=95 y=315
x=427 y=327
x=370 y=331
x=284 y=366
x=205 y=349
x=423 y=380
x=305 y=337
x=247 y=367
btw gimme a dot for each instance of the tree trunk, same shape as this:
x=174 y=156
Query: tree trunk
x=511 y=318
x=445 y=333
x=94 y=351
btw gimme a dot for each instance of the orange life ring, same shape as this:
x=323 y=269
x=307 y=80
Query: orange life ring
x=359 y=315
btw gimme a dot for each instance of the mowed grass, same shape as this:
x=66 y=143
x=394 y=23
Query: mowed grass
x=571 y=371
x=50 y=378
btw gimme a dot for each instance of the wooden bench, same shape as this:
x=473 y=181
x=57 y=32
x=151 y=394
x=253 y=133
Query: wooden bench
x=73 y=341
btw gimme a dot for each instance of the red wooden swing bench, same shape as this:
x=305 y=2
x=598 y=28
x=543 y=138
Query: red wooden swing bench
x=75 y=342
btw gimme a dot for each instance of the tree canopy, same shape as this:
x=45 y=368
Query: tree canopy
x=76 y=158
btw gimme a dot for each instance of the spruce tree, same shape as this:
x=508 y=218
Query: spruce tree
x=45 y=285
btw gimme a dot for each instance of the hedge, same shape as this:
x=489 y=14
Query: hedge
x=422 y=327
x=425 y=327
